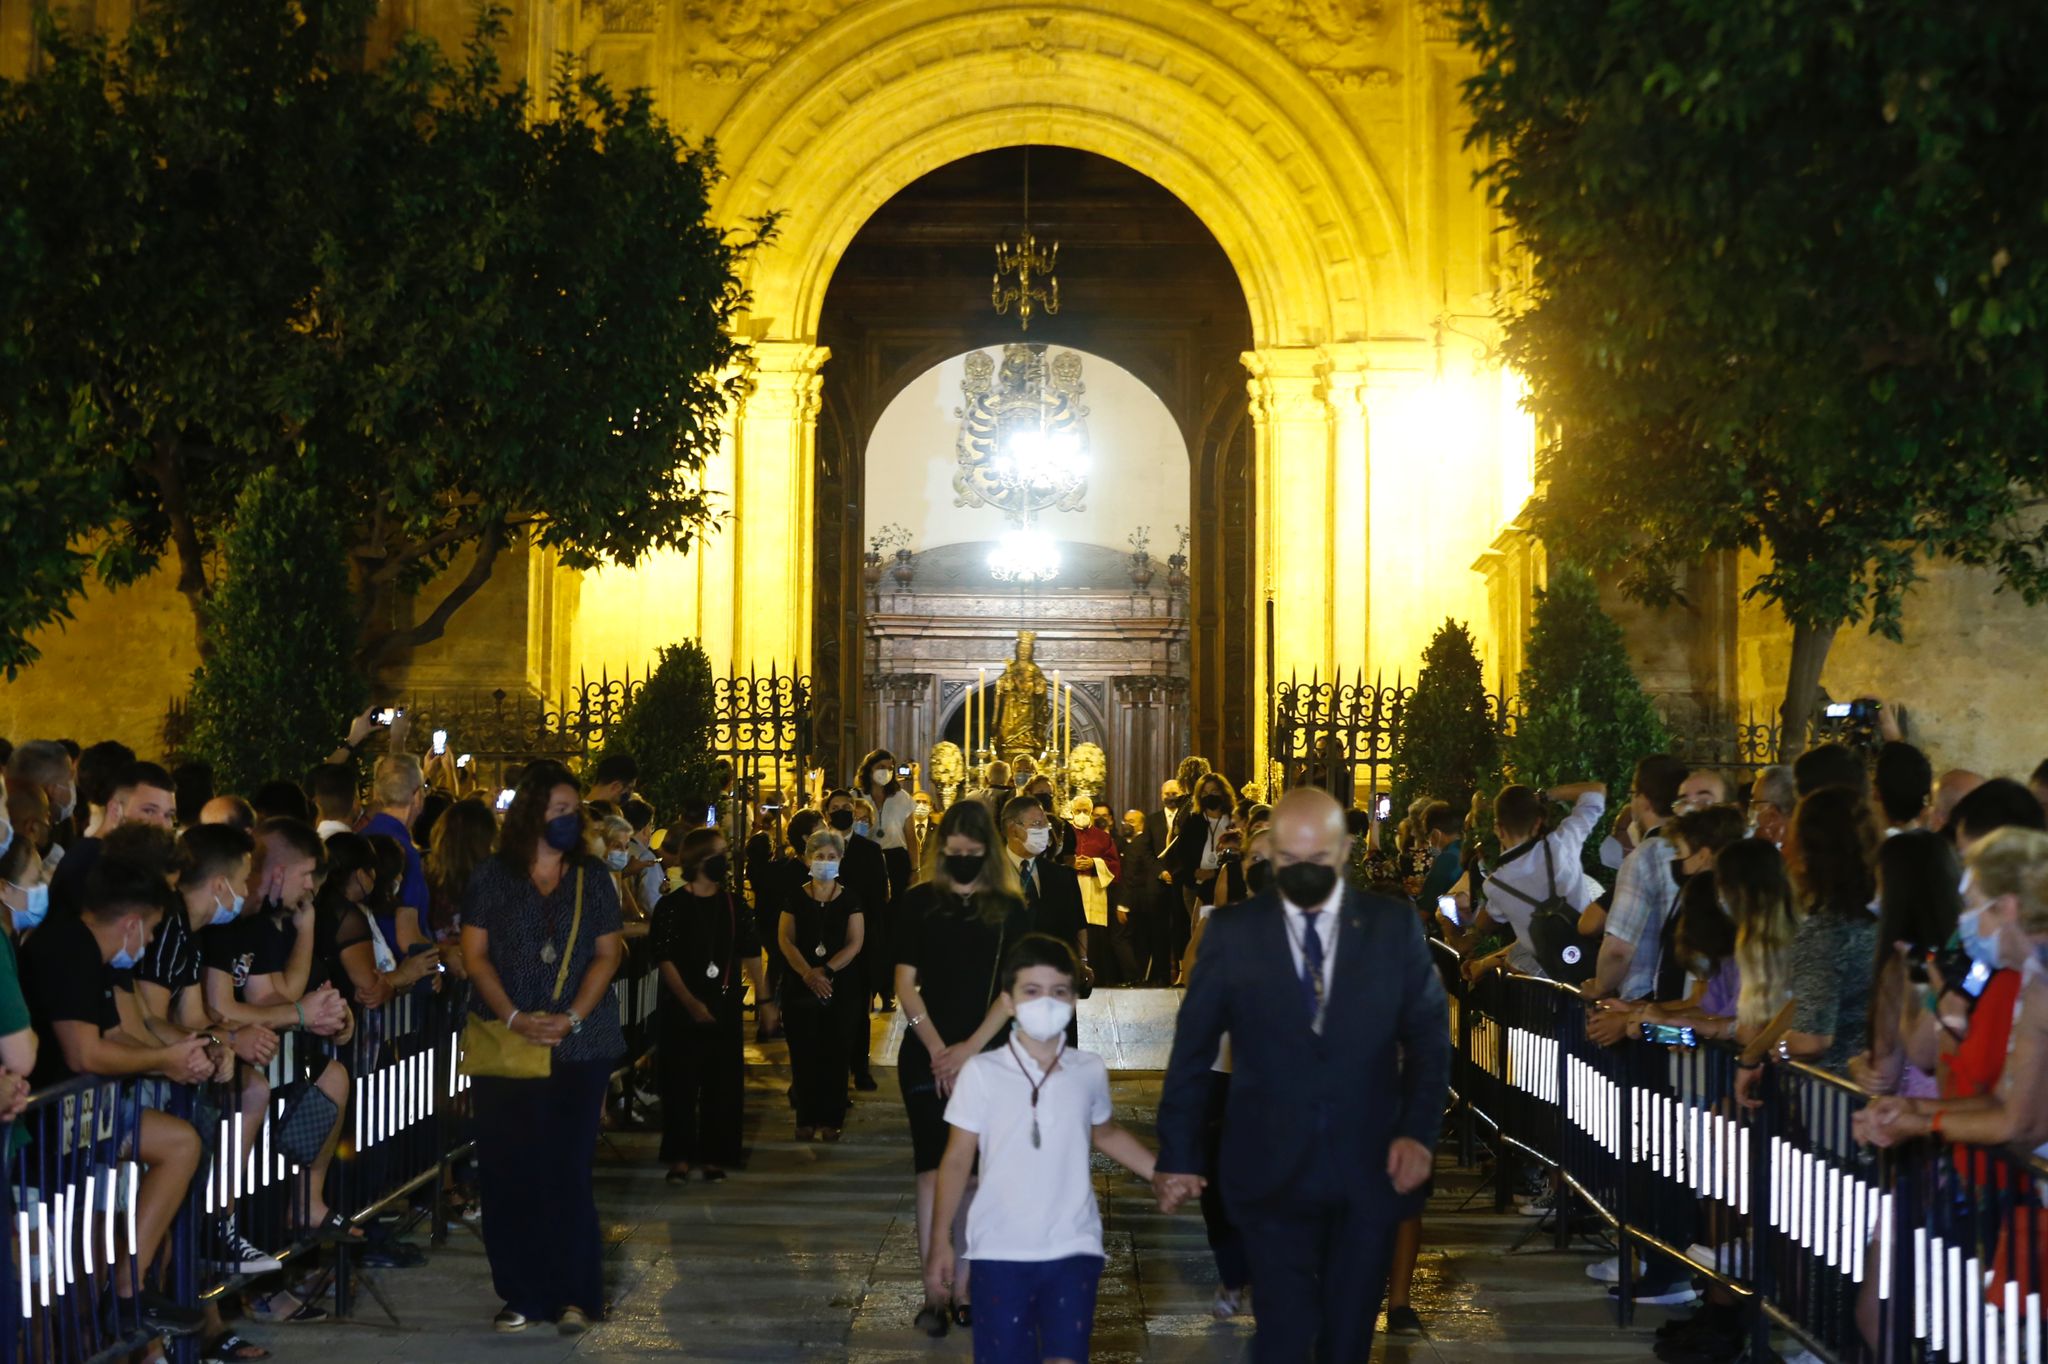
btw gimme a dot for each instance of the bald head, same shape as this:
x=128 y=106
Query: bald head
x=1308 y=826
x=1950 y=787
x=232 y=811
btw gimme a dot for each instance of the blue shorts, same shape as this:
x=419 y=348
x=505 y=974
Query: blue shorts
x=1029 y=1310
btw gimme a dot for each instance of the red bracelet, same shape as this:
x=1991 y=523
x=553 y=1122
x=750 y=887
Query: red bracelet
x=1934 y=1124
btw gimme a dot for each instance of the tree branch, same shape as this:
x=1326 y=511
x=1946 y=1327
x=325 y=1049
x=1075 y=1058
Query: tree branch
x=488 y=546
x=184 y=535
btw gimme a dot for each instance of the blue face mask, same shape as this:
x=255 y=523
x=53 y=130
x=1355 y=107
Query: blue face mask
x=564 y=833
x=1982 y=950
x=37 y=909
x=123 y=960
x=860 y=828
x=616 y=859
x=225 y=913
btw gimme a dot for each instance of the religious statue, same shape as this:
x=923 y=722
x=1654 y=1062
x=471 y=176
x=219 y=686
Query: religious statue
x=1023 y=705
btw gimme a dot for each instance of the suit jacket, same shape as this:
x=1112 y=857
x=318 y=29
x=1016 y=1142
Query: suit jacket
x=1058 y=910
x=1183 y=856
x=1380 y=1069
x=867 y=876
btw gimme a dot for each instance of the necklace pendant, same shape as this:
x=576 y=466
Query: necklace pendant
x=549 y=955
x=1034 y=1134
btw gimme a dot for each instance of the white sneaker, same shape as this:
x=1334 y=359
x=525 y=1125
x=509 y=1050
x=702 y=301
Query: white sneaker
x=1542 y=1205
x=239 y=1255
x=1605 y=1271
x=1227 y=1304
x=1729 y=1257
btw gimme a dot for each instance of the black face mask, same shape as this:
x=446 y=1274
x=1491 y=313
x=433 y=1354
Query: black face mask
x=1102 y=824
x=1258 y=876
x=1306 y=884
x=963 y=868
x=1044 y=799
x=1214 y=805
x=713 y=868
x=842 y=820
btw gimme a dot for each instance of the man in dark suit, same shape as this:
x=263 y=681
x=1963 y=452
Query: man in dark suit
x=1340 y=1048
x=1169 y=928
x=1052 y=891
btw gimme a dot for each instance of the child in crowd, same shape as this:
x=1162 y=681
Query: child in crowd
x=1031 y=1109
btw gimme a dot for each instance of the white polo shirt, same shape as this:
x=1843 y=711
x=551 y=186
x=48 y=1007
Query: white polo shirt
x=1033 y=1203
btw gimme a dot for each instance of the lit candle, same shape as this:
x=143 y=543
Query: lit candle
x=979 y=715
x=1068 y=751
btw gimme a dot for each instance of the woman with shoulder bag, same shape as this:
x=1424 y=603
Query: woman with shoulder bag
x=540 y=933
x=706 y=948
x=819 y=934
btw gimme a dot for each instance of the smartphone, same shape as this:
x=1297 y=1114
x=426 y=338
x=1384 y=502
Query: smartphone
x=711 y=816
x=1670 y=1035
x=1383 y=807
x=462 y=761
x=385 y=716
x=440 y=742
x=904 y=770
x=771 y=808
x=505 y=798
x=1448 y=907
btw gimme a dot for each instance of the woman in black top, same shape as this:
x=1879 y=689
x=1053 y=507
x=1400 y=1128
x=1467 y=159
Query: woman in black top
x=540 y=901
x=955 y=929
x=705 y=947
x=819 y=936
x=783 y=878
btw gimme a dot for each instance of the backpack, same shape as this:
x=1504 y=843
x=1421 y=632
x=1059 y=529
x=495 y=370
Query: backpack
x=1565 y=954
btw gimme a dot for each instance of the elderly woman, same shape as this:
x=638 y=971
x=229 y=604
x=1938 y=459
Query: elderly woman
x=819 y=934
x=540 y=933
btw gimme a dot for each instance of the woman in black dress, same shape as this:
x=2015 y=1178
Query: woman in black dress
x=783 y=878
x=706 y=949
x=820 y=936
x=956 y=928
x=541 y=935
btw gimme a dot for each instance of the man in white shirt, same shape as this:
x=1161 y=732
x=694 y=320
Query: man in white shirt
x=1644 y=895
x=1532 y=870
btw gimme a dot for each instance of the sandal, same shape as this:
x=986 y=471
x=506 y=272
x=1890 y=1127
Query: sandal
x=332 y=1229
x=963 y=1315
x=300 y=1314
x=229 y=1348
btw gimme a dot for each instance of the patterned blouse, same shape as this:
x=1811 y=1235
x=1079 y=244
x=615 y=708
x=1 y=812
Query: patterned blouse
x=529 y=933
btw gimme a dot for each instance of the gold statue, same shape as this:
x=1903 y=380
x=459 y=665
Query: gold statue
x=1023 y=705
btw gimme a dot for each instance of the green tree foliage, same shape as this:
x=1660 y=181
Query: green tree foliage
x=279 y=684
x=468 y=313
x=1449 y=742
x=1584 y=715
x=668 y=730
x=1789 y=272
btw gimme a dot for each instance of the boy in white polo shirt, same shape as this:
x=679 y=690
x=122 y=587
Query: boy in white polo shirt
x=1031 y=1109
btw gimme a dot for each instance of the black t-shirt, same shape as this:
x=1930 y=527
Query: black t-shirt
x=958 y=959
x=67 y=883
x=819 y=930
x=173 y=958
x=257 y=943
x=67 y=981
x=706 y=937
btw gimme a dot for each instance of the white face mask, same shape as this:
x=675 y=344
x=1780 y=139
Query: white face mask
x=1037 y=841
x=882 y=776
x=1044 y=1018
x=823 y=871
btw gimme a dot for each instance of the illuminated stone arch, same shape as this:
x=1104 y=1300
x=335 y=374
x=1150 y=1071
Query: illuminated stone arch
x=1174 y=89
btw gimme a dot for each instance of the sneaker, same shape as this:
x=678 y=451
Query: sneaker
x=1402 y=1321
x=1228 y=1303
x=1605 y=1271
x=239 y=1255
x=1542 y=1205
x=1658 y=1292
x=572 y=1322
x=509 y=1322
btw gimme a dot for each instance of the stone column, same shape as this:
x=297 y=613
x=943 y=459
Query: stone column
x=1291 y=479
x=774 y=455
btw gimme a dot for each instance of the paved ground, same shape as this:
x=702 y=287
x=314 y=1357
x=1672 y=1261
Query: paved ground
x=809 y=1256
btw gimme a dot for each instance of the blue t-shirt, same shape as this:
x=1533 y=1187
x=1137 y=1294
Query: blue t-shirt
x=412 y=891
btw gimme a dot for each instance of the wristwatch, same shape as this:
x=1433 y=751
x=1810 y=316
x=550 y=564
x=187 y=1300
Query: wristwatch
x=575 y=1021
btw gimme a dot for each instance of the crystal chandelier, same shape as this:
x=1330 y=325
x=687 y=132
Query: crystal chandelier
x=1024 y=555
x=1039 y=467
x=1035 y=287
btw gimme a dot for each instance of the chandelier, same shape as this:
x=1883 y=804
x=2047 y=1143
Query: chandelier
x=1035 y=286
x=1037 y=468
x=1024 y=555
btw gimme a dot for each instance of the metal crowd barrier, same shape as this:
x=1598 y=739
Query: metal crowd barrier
x=1943 y=1247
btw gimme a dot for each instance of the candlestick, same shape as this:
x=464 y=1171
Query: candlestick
x=1068 y=751
x=980 y=714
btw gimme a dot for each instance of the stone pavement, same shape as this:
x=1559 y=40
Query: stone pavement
x=809 y=1256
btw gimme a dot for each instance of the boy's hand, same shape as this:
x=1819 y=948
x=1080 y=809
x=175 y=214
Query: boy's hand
x=938 y=1271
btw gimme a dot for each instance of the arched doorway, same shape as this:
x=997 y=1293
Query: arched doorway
x=1148 y=292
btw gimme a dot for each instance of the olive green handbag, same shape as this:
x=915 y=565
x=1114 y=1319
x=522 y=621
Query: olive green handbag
x=490 y=1049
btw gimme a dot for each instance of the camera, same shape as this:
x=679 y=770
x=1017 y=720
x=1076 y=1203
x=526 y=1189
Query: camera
x=1383 y=807
x=1852 y=722
x=904 y=770
x=1670 y=1035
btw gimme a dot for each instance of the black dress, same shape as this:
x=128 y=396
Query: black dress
x=706 y=938
x=958 y=958
x=819 y=1035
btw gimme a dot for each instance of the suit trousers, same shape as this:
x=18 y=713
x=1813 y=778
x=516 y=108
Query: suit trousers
x=1319 y=1264
x=1122 y=965
x=703 y=1083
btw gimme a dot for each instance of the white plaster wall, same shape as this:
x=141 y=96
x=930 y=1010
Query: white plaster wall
x=1138 y=465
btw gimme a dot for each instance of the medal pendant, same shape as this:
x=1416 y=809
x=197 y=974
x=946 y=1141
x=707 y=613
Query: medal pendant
x=1034 y=1134
x=711 y=972
x=818 y=951
x=549 y=955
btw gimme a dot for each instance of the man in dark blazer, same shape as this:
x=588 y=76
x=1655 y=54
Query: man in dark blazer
x=1052 y=891
x=1340 y=1050
x=1170 y=926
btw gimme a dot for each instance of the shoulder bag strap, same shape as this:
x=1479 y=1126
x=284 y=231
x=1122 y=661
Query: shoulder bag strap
x=575 y=928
